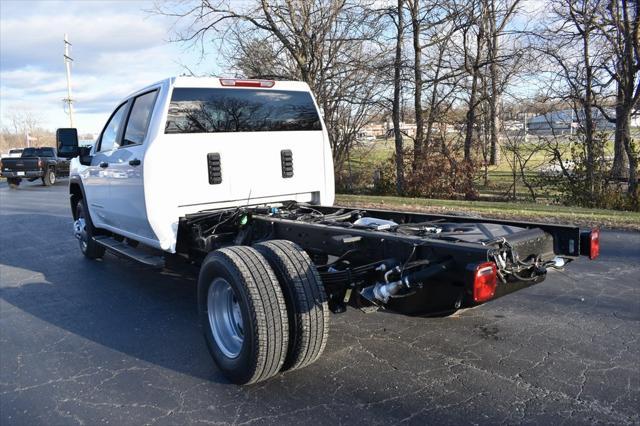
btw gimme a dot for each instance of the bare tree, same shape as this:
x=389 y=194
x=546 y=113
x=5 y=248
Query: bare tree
x=499 y=15
x=620 y=25
x=571 y=43
x=459 y=61
x=474 y=40
x=416 y=29
x=329 y=44
x=397 y=88
x=443 y=72
x=21 y=127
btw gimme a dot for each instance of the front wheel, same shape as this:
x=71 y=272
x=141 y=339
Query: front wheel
x=83 y=231
x=49 y=177
x=243 y=314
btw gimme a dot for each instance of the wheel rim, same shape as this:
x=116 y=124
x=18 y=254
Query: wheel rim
x=52 y=177
x=225 y=317
x=80 y=231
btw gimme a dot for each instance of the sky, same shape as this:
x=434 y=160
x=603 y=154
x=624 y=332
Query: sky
x=117 y=47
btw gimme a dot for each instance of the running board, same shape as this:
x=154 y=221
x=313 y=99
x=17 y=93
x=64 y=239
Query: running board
x=134 y=253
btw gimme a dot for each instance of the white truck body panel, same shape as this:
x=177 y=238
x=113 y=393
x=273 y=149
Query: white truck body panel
x=145 y=202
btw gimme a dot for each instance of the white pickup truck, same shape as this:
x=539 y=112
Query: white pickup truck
x=236 y=176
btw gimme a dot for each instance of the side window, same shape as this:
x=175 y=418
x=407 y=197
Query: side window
x=139 y=118
x=111 y=130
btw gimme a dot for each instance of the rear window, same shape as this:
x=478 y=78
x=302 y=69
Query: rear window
x=38 y=152
x=199 y=110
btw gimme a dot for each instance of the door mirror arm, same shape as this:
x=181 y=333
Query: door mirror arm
x=84 y=154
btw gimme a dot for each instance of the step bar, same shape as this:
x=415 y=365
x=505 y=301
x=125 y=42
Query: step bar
x=123 y=249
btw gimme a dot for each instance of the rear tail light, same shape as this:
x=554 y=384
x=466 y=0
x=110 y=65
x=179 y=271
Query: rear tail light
x=484 y=282
x=594 y=248
x=39 y=164
x=246 y=83
x=590 y=243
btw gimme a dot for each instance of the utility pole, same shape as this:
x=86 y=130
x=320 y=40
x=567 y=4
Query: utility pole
x=67 y=63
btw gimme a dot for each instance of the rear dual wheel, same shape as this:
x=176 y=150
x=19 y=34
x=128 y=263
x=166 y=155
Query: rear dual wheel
x=262 y=310
x=243 y=314
x=308 y=311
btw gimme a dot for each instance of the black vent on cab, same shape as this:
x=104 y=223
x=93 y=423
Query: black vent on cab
x=215 y=170
x=286 y=158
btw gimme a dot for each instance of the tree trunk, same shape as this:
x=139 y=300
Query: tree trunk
x=495 y=95
x=433 y=102
x=620 y=168
x=633 y=173
x=623 y=131
x=471 y=117
x=493 y=110
x=397 y=69
x=625 y=71
x=418 y=144
x=475 y=72
x=588 y=115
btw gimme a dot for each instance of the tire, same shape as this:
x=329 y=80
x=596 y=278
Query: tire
x=84 y=232
x=13 y=182
x=306 y=301
x=243 y=314
x=49 y=177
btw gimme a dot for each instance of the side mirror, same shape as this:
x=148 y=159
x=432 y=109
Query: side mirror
x=67 y=142
x=84 y=152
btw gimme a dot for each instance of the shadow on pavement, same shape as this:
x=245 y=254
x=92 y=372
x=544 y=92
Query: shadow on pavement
x=145 y=313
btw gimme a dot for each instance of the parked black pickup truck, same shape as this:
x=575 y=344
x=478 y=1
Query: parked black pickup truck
x=35 y=163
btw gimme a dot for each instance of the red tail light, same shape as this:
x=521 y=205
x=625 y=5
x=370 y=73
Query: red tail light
x=590 y=243
x=39 y=164
x=594 y=248
x=246 y=83
x=484 y=282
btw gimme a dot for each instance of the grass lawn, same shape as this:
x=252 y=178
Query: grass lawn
x=367 y=157
x=534 y=212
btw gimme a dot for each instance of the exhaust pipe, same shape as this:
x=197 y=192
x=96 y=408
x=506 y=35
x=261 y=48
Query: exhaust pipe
x=382 y=292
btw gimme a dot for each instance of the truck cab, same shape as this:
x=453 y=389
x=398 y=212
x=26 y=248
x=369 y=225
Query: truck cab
x=186 y=144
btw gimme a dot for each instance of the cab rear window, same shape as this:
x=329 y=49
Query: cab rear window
x=209 y=110
x=38 y=152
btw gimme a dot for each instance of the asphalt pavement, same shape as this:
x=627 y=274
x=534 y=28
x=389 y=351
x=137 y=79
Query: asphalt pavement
x=112 y=342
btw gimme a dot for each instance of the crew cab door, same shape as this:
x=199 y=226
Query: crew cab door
x=127 y=208
x=96 y=177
